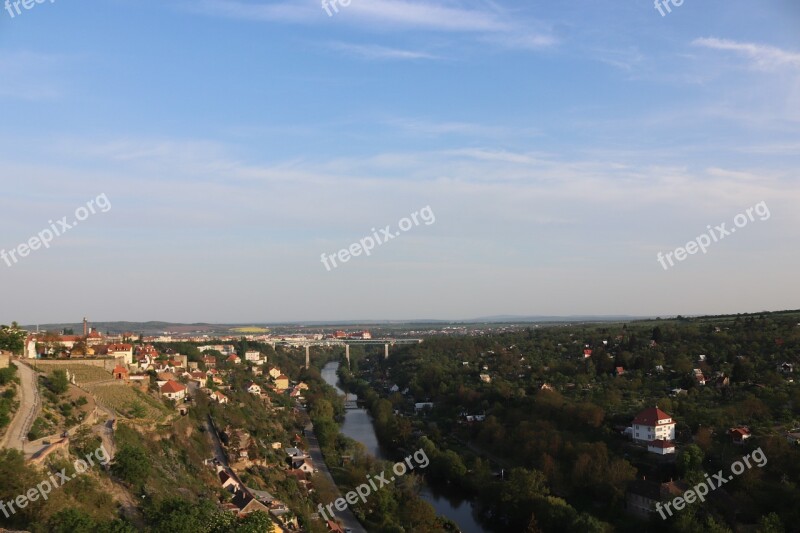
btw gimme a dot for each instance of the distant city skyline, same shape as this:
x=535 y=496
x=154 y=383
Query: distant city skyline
x=561 y=146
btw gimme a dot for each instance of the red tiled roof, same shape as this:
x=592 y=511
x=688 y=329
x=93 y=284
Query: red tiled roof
x=172 y=387
x=119 y=347
x=650 y=417
x=120 y=370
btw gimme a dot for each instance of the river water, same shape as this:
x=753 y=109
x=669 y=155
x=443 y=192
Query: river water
x=358 y=426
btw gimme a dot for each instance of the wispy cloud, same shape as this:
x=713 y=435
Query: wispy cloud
x=429 y=15
x=622 y=59
x=376 y=52
x=762 y=56
x=491 y=24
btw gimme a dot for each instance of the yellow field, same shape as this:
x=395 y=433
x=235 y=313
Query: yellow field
x=122 y=399
x=250 y=329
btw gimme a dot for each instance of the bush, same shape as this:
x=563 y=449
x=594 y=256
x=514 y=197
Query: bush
x=57 y=382
x=7 y=374
x=132 y=464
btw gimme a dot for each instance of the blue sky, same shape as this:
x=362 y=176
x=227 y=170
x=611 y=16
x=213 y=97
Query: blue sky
x=561 y=146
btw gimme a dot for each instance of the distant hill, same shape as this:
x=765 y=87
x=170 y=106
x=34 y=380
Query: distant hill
x=157 y=327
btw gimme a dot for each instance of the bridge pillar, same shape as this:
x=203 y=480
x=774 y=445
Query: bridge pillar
x=386 y=351
x=347 y=354
x=308 y=356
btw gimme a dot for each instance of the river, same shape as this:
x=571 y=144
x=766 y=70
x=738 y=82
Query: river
x=358 y=426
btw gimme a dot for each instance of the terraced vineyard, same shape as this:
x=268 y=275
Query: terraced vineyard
x=129 y=402
x=84 y=374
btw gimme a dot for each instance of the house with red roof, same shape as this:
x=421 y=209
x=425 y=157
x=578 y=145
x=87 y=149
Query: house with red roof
x=661 y=447
x=173 y=390
x=653 y=424
x=121 y=350
x=739 y=435
x=219 y=397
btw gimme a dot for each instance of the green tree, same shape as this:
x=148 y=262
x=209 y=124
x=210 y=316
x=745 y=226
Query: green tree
x=57 y=382
x=690 y=460
x=131 y=464
x=257 y=522
x=12 y=338
x=771 y=524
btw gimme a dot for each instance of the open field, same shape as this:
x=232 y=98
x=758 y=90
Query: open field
x=250 y=329
x=124 y=399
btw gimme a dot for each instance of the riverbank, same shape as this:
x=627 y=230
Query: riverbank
x=394 y=504
x=360 y=426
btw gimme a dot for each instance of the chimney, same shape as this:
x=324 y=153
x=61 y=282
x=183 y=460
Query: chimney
x=85 y=327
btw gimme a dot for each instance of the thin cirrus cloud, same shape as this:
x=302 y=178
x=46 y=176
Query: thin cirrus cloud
x=494 y=26
x=376 y=52
x=763 y=56
x=388 y=12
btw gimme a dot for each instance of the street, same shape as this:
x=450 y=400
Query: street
x=347 y=517
x=29 y=408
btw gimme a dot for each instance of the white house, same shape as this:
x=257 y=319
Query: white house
x=307 y=467
x=661 y=447
x=254 y=388
x=219 y=397
x=173 y=390
x=252 y=355
x=653 y=424
x=121 y=350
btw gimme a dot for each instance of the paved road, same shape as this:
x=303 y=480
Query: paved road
x=347 y=517
x=28 y=409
